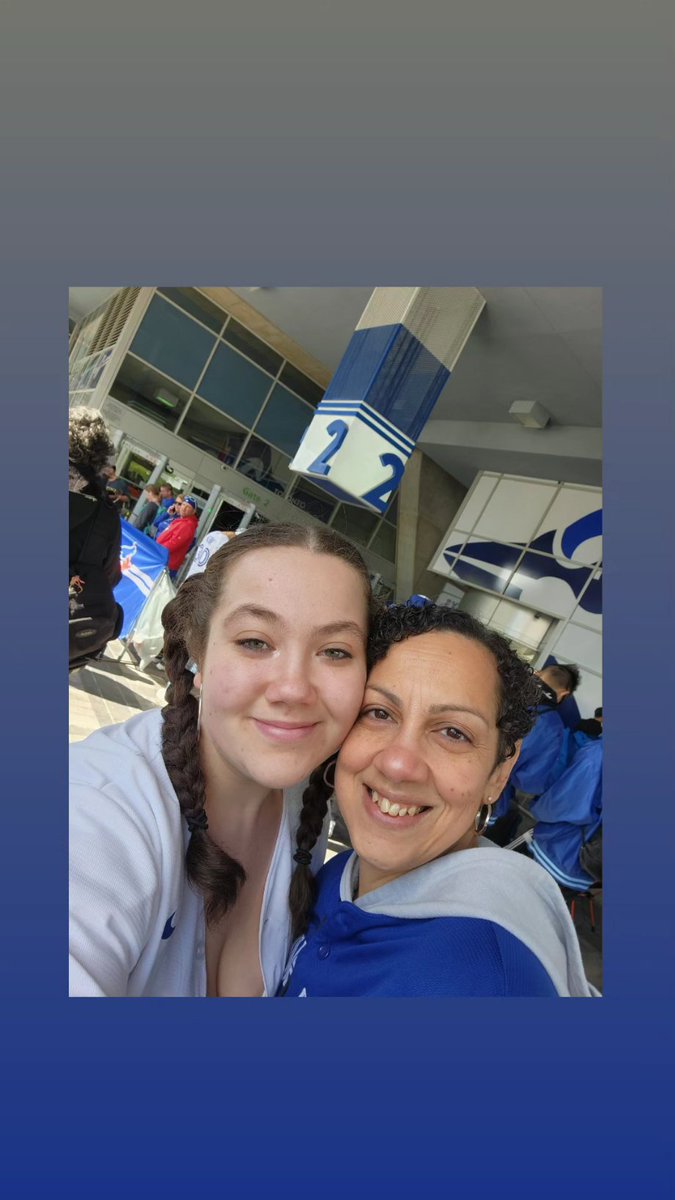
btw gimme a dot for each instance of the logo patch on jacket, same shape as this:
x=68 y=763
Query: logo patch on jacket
x=168 y=928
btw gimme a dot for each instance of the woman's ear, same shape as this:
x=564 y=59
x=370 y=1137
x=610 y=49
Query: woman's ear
x=198 y=679
x=500 y=776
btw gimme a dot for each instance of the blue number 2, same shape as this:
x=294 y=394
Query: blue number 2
x=338 y=431
x=378 y=496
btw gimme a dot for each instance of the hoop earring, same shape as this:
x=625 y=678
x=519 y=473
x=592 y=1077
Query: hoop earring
x=330 y=783
x=483 y=816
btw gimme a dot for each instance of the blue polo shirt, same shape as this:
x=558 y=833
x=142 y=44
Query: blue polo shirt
x=350 y=952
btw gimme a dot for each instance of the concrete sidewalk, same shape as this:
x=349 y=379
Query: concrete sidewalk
x=110 y=691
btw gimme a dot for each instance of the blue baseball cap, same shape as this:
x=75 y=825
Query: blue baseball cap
x=191 y=501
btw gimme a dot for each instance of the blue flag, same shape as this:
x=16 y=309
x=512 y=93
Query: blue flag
x=142 y=562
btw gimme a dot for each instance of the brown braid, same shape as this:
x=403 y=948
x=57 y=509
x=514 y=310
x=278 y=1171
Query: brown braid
x=186 y=621
x=302 y=892
x=209 y=869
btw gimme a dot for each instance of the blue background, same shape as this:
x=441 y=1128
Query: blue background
x=523 y=148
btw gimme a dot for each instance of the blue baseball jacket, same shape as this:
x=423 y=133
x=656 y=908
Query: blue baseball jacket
x=479 y=922
x=567 y=815
x=539 y=760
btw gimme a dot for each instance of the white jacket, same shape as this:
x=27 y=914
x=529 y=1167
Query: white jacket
x=136 y=927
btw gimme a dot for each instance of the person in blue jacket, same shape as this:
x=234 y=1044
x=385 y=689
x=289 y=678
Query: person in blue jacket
x=543 y=753
x=424 y=906
x=568 y=815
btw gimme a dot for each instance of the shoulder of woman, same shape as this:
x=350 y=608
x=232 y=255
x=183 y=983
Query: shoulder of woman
x=125 y=761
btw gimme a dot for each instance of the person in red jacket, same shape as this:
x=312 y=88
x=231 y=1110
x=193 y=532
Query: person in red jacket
x=179 y=535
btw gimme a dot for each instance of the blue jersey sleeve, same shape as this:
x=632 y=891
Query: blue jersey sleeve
x=540 y=753
x=575 y=797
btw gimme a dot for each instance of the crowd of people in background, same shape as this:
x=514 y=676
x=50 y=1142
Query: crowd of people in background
x=170 y=518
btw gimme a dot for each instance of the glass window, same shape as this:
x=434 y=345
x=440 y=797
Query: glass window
x=198 y=306
x=234 y=385
x=213 y=432
x=355 y=523
x=173 y=342
x=305 y=387
x=262 y=463
x=148 y=392
x=284 y=420
x=262 y=354
x=313 y=500
x=384 y=542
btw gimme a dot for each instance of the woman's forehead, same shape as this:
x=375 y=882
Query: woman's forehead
x=295 y=575
x=441 y=665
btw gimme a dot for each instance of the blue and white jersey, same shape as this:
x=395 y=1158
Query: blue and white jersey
x=480 y=922
x=567 y=815
x=137 y=928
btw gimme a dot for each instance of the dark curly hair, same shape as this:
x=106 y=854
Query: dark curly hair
x=519 y=688
x=519 y=693
x=186 y=620
x=89 y=443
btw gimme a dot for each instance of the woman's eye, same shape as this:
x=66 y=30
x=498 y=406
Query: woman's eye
x=455 y=735
x=253 y=644
x=378 y=714
x=336 y=654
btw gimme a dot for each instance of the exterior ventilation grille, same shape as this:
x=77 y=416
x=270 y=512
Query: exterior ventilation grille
x=114 y=319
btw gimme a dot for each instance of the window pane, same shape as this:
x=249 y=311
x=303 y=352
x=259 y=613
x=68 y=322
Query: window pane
x=150 y=393
x=213 y=432
x=313 y=500
x=235 y=385
x=252 y=347
x=305 y=387
x=384 y=542
x=355 y=523
x=173 y=342
x=284 y=420
x=198 y=306
x=262 y=463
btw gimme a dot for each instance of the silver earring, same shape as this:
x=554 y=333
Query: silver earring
x=330 y=783
x=483 y=816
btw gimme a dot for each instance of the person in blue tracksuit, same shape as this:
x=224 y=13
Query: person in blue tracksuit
x=543 y=754
x=568 y=815
x=425 y=906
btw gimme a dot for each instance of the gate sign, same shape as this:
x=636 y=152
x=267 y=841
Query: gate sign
x=142 y=562
x=384 y=390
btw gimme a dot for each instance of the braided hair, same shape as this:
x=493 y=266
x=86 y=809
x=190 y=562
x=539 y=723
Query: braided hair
x=302 y=893
x=186 y=620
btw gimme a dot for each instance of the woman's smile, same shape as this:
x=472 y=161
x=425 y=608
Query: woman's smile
x=422 y=757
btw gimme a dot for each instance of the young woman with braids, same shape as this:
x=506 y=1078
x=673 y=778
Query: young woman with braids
x=185 y=822
x=425 y=906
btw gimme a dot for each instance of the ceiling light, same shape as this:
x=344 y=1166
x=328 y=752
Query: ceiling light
x=530 y=413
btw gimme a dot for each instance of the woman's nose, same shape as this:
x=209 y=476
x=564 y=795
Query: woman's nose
x=401 y=760
x=291 y=683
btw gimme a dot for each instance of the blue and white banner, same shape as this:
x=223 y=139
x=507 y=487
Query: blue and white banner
x=395 y=367
x=142 y=562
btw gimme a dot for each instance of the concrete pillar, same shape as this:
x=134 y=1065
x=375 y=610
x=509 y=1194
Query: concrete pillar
x=427 y=503
x=395 y=367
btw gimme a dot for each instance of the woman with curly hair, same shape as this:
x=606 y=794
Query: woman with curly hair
x=425 y=906
x=95 y=536
x=192 y=832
